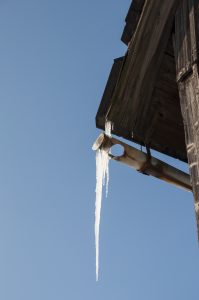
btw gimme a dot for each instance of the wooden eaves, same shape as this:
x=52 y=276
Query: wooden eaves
x=141 y=96
x=152 y=94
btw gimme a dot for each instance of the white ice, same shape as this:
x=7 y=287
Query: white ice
x=102 y=178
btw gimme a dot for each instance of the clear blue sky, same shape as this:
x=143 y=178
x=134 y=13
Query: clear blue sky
x=55 y=57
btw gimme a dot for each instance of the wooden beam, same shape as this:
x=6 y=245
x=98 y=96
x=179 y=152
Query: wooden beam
x=186 y=41
x=143 y=60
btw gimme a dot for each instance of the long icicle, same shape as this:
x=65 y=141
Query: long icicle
x=102 y=178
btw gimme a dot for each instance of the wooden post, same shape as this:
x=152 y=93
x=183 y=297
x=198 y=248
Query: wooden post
x=186 y=41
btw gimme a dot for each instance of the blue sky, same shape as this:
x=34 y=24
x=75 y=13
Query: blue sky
x=55 y=58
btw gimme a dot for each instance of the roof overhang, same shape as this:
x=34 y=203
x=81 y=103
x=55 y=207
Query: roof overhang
x=141 y=96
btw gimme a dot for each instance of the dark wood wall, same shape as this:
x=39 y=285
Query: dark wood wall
x=186 y=44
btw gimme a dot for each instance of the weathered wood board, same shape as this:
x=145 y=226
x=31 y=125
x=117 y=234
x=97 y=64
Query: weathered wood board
x=186 y=41
x=152 y=95
x=143 y=61
x=132 y=20
x=141 y=96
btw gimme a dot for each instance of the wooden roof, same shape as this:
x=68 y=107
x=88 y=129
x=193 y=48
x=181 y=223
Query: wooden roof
x=131 y=20
x=141 y=95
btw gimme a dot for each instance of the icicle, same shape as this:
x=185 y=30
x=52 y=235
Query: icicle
x=108 y=128
x=102 y=178
x=99 y=179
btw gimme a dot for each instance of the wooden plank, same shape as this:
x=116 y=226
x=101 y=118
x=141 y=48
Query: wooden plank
x=162 y=127
x=163 y=115
x=186 y=41
x=108 y=92
x=143 y=61
x=159 y=121
x=132 y=20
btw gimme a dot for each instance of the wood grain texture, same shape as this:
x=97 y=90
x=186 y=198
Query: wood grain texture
x=132 y=20
x=143 y=61
x=108 y=92
x=152 y=114
x=186 y=41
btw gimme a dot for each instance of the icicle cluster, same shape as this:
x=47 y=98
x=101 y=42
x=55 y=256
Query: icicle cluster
x=102 y=177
